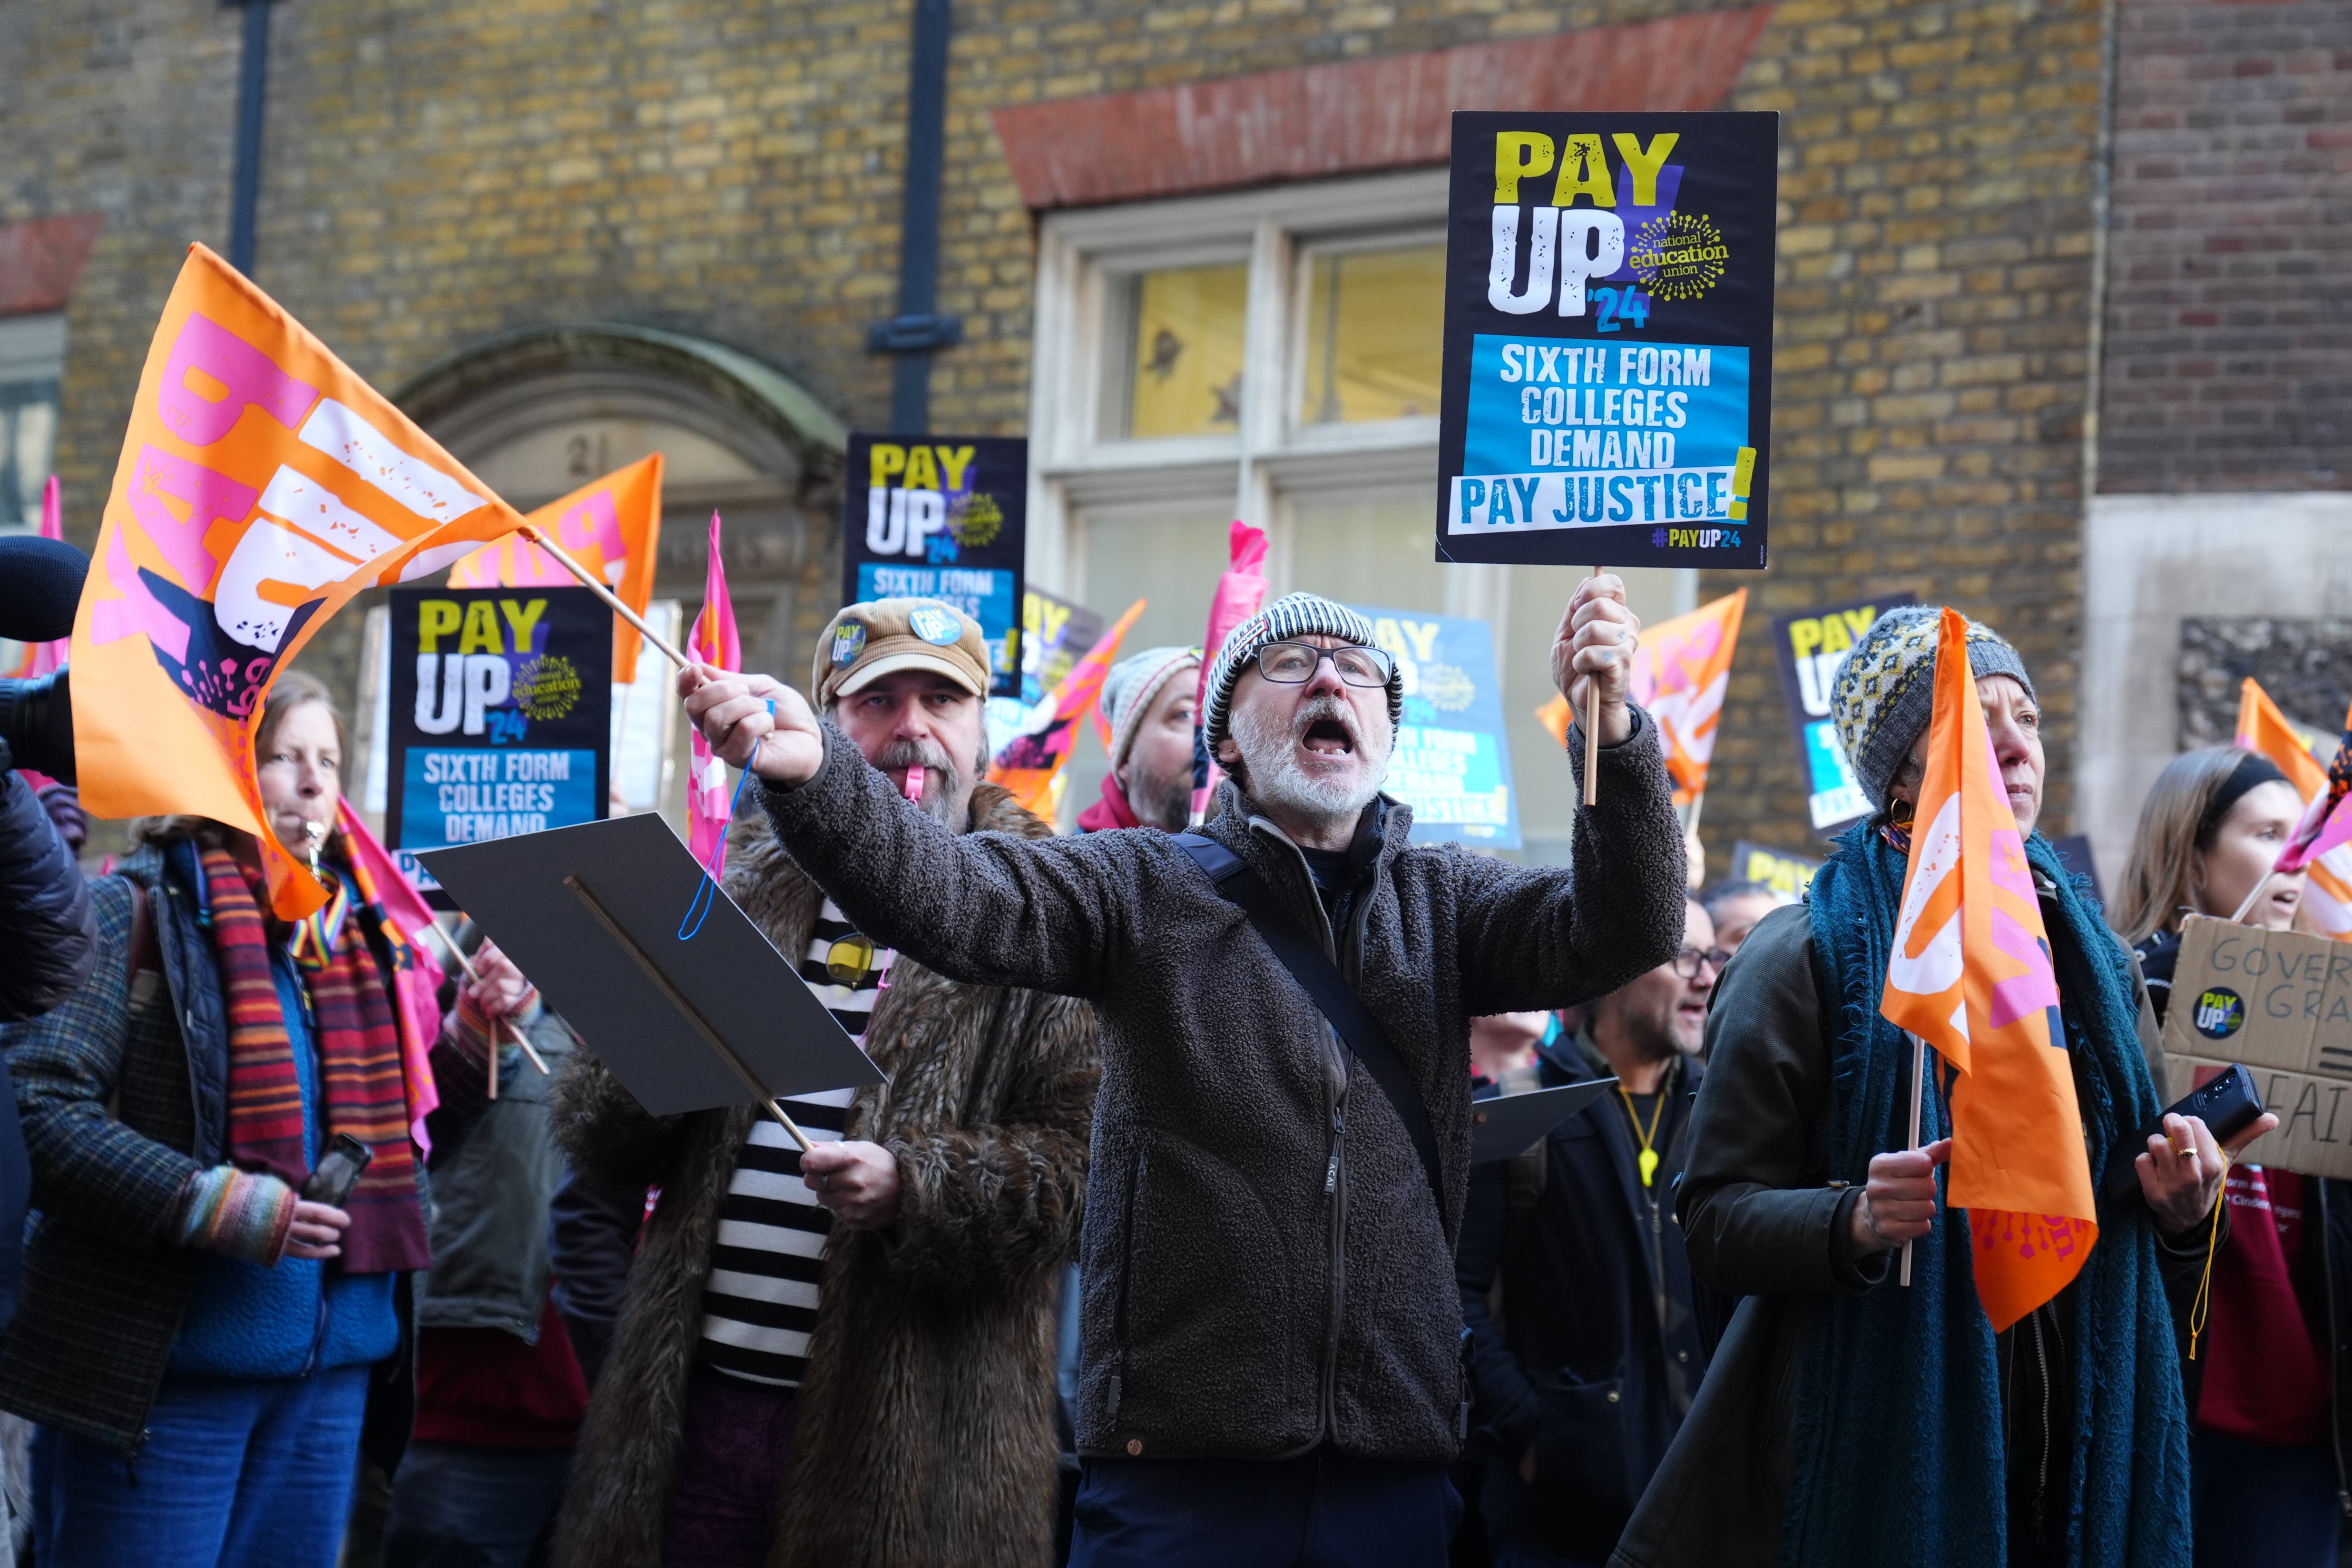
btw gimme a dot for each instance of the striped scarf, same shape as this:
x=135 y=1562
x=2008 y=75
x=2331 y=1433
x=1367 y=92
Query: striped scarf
x=359 y=1059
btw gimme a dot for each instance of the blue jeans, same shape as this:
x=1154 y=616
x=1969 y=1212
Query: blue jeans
x=1324 y=1511
x=463 y=1505
x=236 y=1471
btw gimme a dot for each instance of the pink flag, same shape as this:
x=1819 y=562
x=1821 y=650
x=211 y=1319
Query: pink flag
x=401 y=911
x=42 y=658
x=713 y=641
x=1241 y=594
x=2327 y=821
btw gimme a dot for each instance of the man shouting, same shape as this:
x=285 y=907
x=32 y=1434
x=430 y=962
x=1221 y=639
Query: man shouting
x=1270 y=1368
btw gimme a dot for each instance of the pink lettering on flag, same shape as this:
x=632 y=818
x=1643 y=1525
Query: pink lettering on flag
x=247 y=375
x=207 y=496
x=592 y=521
x=137 y=613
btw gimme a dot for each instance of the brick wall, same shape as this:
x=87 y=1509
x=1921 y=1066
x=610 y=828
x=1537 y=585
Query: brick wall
x=2228 y=320
x=1929 y=376
x=436 y=172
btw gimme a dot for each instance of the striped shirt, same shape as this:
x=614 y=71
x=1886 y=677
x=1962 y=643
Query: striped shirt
x=759 y=1304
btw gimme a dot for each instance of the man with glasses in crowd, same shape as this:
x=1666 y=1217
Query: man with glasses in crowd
x=847 y=1356
x=1574 y=1281
x=1270 y=1357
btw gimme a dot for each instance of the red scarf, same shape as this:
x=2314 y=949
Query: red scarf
x=1110 y=811
x=358 y=1044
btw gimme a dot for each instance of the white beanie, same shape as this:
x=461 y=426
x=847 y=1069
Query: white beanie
x=1132 y=686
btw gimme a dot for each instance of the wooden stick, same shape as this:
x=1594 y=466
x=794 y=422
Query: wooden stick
x=1918 y=1092
x=588 y=581
x=536 y=1060
x=677 y=999
x=1593 y=734
x=2247 y=908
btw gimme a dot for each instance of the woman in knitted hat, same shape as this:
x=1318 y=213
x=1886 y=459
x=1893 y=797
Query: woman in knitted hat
x=1847 y=1419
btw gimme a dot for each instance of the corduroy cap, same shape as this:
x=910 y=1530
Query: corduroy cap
x=1132 y=686
x=1885 y=689
x=1288 y=618
x=865 y=642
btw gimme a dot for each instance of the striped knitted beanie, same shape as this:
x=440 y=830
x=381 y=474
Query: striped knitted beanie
x=1885 y=689
x=1292 y=616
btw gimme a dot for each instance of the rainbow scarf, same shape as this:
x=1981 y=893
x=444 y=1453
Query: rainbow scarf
x=359 y=1051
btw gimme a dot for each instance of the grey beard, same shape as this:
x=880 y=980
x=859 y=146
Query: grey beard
x=1268 y=750
x=943 y=781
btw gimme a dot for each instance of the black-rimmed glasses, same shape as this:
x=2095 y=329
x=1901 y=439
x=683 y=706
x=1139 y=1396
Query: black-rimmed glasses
x=1294 y=663
x=1690 y=959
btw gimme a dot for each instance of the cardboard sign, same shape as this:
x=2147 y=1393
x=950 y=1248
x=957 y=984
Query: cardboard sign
x=501 y=713
x=2281 y=1003
x=1808 y=647
x=941 y=517
x=1608 y=372
x=1787 y=875
x=1452 y=763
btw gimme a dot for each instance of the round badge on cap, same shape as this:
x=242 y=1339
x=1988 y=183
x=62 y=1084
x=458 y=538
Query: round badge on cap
x=848 y=642
x=939 y=627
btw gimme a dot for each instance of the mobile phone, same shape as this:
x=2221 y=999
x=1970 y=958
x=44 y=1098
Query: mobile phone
x=338 y=1170
x=2228 y=1101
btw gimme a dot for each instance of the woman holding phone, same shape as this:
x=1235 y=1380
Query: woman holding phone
x=196 y=1334
x=2267 y=1472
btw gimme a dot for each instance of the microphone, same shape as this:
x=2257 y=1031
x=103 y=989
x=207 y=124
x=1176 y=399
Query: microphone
x=40 y=586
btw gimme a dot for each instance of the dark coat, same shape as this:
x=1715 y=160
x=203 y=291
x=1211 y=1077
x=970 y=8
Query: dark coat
x=1596 y=1353
x=123 y=1091
x=1264 y=1268
x=1763 y=1222
x=924 y=1437
x=47 y=932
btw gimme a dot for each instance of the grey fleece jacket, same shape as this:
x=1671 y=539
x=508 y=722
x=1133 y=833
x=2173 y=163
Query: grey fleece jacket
x=1264 y=1268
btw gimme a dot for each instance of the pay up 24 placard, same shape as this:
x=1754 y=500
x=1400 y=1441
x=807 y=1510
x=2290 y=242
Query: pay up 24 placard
x=1608 y=365
x=946 y=518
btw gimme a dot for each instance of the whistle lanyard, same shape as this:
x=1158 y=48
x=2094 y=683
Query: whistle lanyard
x=1648 y=1161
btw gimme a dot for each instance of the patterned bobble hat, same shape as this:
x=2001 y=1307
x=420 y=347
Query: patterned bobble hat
x=1885 y=689
x=1289 y=617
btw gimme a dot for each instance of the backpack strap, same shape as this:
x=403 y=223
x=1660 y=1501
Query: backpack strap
x=1330 y=993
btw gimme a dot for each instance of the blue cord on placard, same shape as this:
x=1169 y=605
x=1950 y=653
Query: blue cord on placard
x=705 y=891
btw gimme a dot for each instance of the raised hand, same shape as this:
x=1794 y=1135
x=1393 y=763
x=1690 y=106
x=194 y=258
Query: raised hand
x=782 y=745
x=1596 y=638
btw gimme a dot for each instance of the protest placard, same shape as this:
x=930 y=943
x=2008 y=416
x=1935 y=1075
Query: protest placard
x=1452 y=764
x=941 y=517
x=1808 y=646
x=2281 y=1003
x=1787 y=875
x=1607 y=369
x=499 y=713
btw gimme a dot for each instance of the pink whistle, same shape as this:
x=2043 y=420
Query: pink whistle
x=915 y=784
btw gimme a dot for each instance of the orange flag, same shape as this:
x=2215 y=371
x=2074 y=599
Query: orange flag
x=613 y=527
x=1681 y=670
x=1032 y=761
x=2262 y=727
x=1970 y=973
x=262 y=486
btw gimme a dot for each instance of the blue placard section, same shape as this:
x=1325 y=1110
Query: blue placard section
x=1835 y=797
x=990 y=596
x=1570 y=435
x=470 y=795
x=1452 y=763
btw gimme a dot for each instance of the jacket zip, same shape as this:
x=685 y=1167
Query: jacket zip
x=2334 y=1351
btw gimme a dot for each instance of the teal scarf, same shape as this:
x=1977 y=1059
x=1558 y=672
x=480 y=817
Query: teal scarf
x=1899 y=1460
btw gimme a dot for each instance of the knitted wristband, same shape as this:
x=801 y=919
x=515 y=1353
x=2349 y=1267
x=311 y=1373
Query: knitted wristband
x=239 y=1214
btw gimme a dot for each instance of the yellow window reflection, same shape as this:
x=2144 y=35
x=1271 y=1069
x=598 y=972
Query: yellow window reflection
x=1373 y=334
x=1186 y=378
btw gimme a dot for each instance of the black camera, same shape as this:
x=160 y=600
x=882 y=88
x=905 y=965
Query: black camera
x=37 y=725
x=40 y=586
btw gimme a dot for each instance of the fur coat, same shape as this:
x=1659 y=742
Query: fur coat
x=925 y=1433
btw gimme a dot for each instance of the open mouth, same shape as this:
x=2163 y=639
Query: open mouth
x=1328 y=738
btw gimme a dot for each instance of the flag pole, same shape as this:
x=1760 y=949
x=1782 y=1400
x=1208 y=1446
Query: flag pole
x=588 y=581
x=1918 y=1090
x=1593 y=734
x=2246 y=908
x=536 y=1060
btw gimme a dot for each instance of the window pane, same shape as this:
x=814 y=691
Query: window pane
x=1373 y=334
x=1368 y=551
x=32 y=360
x=1185 y=372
